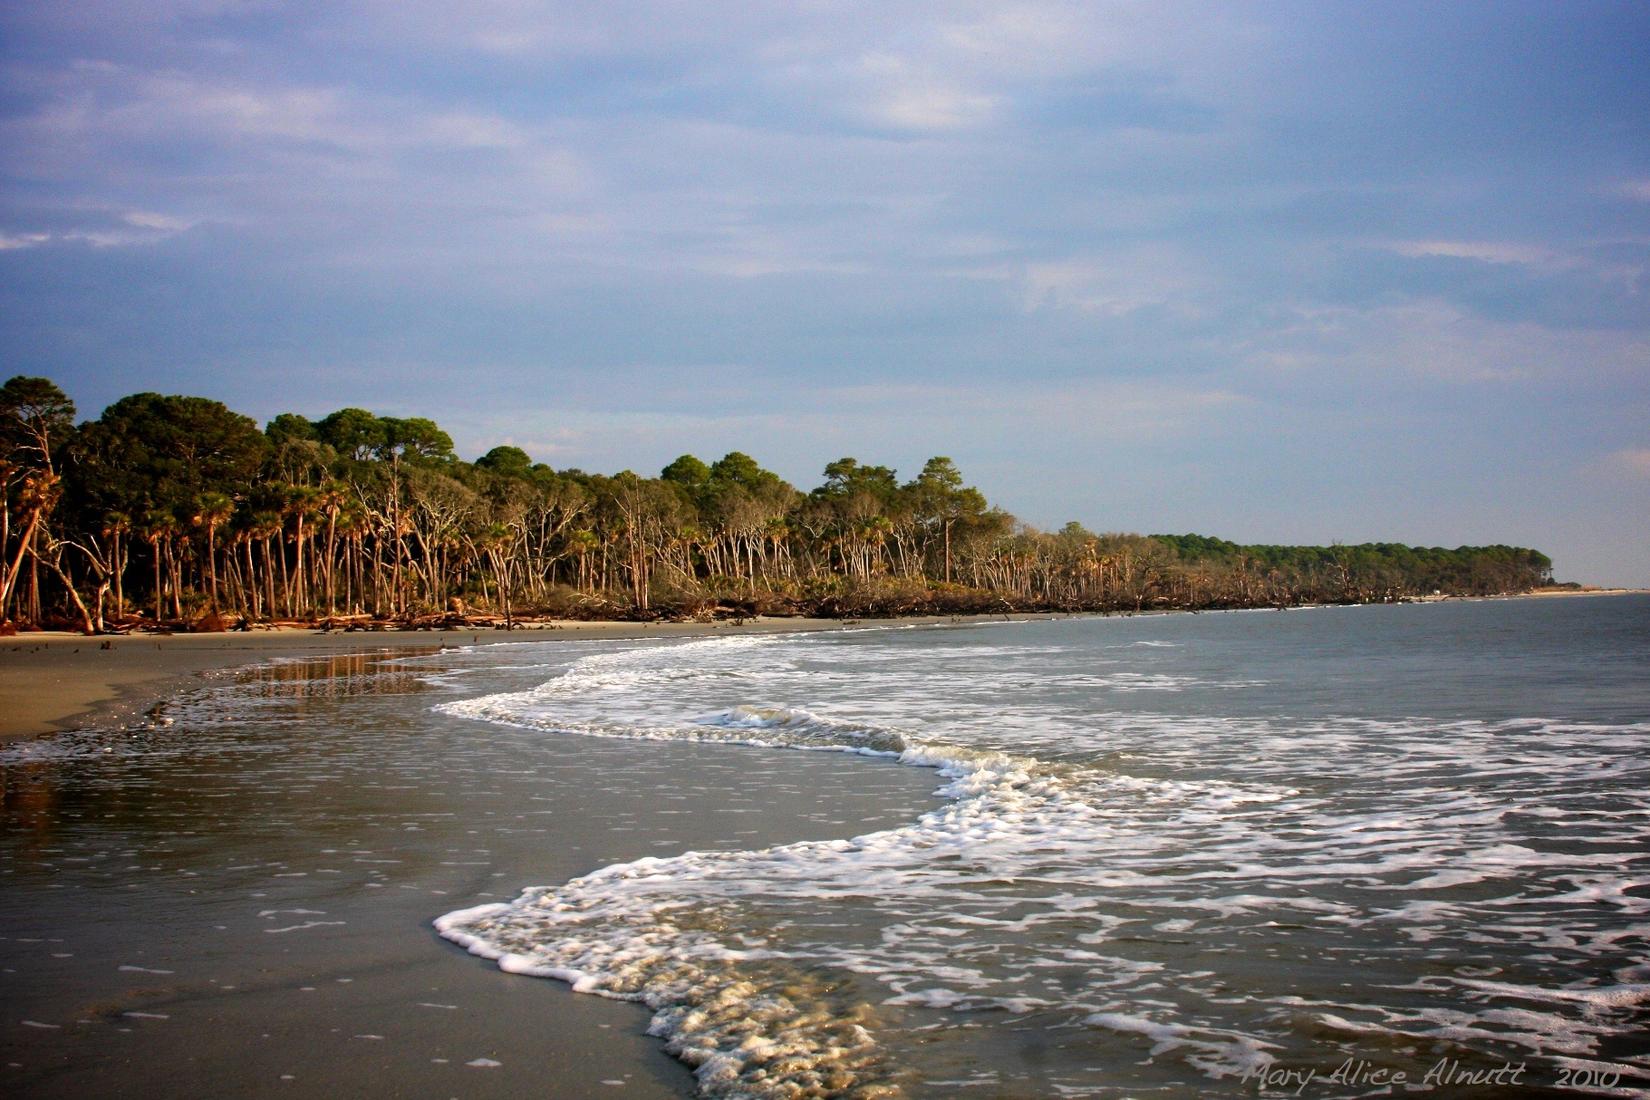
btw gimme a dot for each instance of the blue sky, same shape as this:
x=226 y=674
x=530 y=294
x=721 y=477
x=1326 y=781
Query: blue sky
x=1276 y=272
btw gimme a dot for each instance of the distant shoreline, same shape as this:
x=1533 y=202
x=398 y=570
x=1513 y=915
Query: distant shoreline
x=52 y=681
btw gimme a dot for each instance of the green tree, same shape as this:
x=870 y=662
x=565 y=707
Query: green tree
x=152 y=455
x=150 y=450
x=355 y=433
x=940 y=499
x=846 y=476
x=688 y=472
x=212 y=512
x=289 y=426
x=417 y=438
x=33 y=414
x=507 y=462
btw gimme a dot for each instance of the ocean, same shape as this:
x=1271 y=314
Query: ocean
x=1180 y=855
x=1322 y=852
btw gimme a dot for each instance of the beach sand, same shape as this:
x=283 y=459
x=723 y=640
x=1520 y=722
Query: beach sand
x=243 y=907
x=55 y=681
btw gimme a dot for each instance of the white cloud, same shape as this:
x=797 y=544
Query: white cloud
x=909 y=96
x=1492 y=252
x=933 y=107
x=349 y=167
x=1083 y=286
x=1571 y=258
x=165 y=223
x=1433 y=339
x=1020 y=37
x=475 y=131
x=182 y=105
x=109 y=238
x=107 y=229
x=895 y=423
x=100 y=114
x=1115 y=284
x=741 y=182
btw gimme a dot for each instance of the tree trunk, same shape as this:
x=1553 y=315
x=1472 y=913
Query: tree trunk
x=87 y=627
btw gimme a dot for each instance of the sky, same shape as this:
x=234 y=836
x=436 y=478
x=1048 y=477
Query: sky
x=1274 y=272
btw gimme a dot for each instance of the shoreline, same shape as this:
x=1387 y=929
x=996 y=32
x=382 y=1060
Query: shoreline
x=360 y=993
x=53 y=681
x=284 y=896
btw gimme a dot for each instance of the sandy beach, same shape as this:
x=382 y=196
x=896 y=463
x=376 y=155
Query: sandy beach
x=55 y=681
x=52 y=681
x=237 y=895
x=239 y=900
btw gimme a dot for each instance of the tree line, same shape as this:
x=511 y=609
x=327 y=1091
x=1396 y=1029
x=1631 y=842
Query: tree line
x=177 y=511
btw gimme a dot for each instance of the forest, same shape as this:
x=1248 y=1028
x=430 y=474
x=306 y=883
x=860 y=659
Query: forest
x=173 y=512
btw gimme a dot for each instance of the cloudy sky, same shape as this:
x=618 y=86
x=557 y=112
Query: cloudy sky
x=1276 y=272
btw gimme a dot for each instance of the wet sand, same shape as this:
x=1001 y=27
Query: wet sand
x=239 y=903
x=58 y=681
x=54 y=681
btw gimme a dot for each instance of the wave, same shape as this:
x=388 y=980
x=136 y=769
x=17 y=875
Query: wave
x=1071 y=888
x=752 y=1018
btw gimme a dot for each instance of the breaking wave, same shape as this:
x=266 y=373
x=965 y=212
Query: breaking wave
x=1097 y=870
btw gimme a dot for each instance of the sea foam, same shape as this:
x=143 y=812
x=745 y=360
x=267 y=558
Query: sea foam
x=1084 y=857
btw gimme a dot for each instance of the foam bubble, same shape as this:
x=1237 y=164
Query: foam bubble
x=1084 y=856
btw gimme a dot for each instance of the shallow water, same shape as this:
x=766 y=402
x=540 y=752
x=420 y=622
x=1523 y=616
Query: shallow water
x=1179 y=856
x=237 y=900
x=1173 y=856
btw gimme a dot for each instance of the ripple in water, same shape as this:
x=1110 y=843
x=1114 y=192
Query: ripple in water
x=1119 y=895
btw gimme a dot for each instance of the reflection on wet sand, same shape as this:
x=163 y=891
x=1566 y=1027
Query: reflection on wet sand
x=28 y=798
x=339 y=675
x=92 y=773
x=235 y=896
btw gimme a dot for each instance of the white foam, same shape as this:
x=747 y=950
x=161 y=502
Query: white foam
x=1102 y=828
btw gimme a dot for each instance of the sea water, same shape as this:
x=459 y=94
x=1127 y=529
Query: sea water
x=1272 y=853
x=1326 y=852
x=234 y=898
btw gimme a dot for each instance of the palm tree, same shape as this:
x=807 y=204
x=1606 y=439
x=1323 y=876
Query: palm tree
x=158 y=526
x=115 y=526
x=583 y=543
x=212 y=511
x=265 y=526
x=776 y=532
x=301 y=502
x=495 y=542
x=39 y=493
x=352 y=525
x=333 y=496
